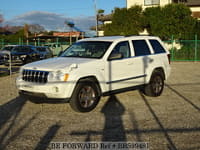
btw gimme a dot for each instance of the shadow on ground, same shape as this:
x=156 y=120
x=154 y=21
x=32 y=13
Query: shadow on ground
x=4 y=70
x=114 y=130
x=9 y=114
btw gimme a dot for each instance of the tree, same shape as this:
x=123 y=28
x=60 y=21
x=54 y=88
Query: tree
x=100 y=12
x=125 y=22
x=172 y=19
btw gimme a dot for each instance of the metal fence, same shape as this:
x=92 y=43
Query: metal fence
x=184 y=50
x=56 y=47
x=181 y=50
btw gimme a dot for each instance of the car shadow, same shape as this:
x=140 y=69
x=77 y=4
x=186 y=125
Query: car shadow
x=44 y=142
x=38 y=100
x=183 y=97
x=9 y=114
x=113 y=127
x=171 y=145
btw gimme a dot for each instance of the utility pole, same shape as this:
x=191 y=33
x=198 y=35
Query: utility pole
x=96 y=17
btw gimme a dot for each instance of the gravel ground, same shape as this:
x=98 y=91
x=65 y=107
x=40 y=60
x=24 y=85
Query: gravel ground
x=169 y=122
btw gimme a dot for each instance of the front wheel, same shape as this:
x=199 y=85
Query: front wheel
x=85 y=97
x=155 y=86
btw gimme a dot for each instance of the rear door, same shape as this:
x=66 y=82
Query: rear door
x=142 y=61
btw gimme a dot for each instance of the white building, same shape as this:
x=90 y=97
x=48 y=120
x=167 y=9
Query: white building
x=147 y=3
x=193 y=4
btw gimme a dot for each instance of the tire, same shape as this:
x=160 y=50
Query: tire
x=85 y=96
x=155 y=86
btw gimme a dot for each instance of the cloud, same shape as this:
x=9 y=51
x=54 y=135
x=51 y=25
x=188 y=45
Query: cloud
x=52 y=21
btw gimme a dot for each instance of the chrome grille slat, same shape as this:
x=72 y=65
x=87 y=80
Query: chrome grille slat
x=35 y=76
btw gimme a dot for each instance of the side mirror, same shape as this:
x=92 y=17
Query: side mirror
x=115 y=56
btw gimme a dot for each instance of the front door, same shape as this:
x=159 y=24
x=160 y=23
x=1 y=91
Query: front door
x=120 y=67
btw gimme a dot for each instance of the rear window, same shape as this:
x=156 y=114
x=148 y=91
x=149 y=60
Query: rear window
x=141 y=48
x=157 y=47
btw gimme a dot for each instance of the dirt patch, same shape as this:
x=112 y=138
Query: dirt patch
x=171 y=121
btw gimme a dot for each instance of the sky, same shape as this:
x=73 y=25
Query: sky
x=51 y=13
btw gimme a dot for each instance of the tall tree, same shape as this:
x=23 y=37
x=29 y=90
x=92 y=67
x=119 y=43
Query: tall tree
x=172 y=19
x=125 y=22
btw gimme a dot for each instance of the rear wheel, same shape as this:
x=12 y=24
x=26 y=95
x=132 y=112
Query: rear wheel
x=155 y=86
x=85 y=96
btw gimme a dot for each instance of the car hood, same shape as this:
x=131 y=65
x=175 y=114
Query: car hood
x=57 y=63
x=3 y=52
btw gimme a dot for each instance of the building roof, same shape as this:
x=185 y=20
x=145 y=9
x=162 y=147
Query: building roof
x=105 y=17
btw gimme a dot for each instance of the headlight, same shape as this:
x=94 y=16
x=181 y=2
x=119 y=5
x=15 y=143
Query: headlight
x=23 y=56
x=57 y=76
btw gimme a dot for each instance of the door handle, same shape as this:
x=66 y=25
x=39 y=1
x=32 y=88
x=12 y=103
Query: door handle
x=129 y=63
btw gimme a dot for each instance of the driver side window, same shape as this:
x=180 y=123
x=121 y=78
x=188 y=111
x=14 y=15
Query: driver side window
x=122 y=48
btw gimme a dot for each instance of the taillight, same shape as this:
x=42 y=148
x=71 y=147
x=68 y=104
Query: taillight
x=169 y=56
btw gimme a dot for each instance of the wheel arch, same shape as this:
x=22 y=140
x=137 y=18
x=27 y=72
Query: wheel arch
x=92 y=79
x=161 y=70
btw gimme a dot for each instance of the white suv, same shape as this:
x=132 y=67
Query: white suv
x=95 y=67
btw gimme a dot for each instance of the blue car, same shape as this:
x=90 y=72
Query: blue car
x=20 y=54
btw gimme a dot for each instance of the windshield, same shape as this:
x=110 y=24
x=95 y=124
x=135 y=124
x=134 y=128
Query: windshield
x=8 y=48
x=21 y=49
x=87 y=49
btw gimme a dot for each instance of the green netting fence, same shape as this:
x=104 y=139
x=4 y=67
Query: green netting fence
x=181 y=50
x=184 y=50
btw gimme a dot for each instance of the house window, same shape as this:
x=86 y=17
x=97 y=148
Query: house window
x=151 y=2
x=180 y=1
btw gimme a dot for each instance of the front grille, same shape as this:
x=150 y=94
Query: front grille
x=35 y=76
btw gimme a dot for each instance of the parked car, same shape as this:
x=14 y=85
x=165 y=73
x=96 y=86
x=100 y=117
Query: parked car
x=44 y=51
x=1 y=59
x=20 y=54
x=56 y=48
x=4 y=53
x=96 y=67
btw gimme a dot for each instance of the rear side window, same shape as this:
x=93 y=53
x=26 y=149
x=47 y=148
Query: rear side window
x=157 y=47
x=141 y=48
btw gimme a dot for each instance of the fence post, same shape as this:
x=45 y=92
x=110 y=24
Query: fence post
x=2 y=43
x=57 y=41
x=195 y=48
x=56 y=49
x=38 y=44
x=19 y=40
x=172 y=41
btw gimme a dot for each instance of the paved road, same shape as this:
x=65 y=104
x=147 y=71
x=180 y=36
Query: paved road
x=169 y=122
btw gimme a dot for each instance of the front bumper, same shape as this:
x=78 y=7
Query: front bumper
x=56 y=90
x=14 y=61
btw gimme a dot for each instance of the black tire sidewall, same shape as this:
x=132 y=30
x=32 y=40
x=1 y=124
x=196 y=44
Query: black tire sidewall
x=74 y=101
x=148 y=89
x=156 y=74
